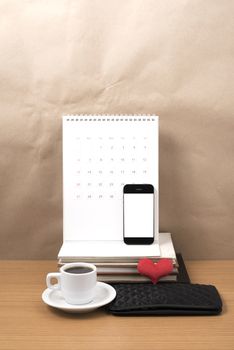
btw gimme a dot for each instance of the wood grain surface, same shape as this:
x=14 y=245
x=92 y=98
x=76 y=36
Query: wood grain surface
x=27 y=323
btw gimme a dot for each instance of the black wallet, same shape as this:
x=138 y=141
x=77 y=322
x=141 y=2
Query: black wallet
x=165 y=299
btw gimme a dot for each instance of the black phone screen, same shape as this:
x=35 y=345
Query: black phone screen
x=138 y=214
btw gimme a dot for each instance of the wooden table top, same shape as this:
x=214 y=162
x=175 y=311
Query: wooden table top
x=27 y=323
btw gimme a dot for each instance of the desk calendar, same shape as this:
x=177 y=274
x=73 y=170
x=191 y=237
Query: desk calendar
x=100 y=155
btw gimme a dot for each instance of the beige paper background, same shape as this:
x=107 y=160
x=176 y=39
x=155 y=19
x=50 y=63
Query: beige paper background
x=171 y=58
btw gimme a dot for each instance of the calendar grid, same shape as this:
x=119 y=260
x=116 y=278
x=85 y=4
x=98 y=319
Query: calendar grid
x=100 y=155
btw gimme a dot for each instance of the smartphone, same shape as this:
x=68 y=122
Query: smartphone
x=138 y=214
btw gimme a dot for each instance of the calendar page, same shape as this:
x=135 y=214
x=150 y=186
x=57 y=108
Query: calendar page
x=100 y=155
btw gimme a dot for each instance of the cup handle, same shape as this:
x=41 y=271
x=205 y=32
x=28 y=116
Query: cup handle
x=51 y=275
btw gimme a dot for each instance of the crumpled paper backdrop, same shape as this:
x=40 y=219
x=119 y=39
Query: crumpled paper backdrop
x=170 y=58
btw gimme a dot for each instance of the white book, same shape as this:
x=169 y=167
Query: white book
x=123 y=270
x=133 y=278
x=95 y=251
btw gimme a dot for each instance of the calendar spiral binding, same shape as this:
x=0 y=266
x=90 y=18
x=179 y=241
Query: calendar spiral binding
x=112 y=117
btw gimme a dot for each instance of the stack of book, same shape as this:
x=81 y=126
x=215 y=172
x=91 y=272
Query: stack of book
x=117 y=262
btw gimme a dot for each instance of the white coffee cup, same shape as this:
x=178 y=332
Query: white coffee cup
x=76 y=281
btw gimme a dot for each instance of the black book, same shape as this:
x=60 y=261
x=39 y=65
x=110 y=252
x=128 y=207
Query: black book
x=183 y=276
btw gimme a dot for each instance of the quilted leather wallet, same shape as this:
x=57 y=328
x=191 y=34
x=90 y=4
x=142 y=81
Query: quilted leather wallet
x=165 y=299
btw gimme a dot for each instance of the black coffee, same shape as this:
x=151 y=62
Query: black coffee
x=79 y=270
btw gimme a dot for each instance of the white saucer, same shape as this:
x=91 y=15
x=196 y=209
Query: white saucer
x=104 y=294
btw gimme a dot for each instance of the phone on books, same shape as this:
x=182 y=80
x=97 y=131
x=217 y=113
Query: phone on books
x=138 y=214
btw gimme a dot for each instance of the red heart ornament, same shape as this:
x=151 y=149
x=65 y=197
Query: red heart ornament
x=153 y=270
